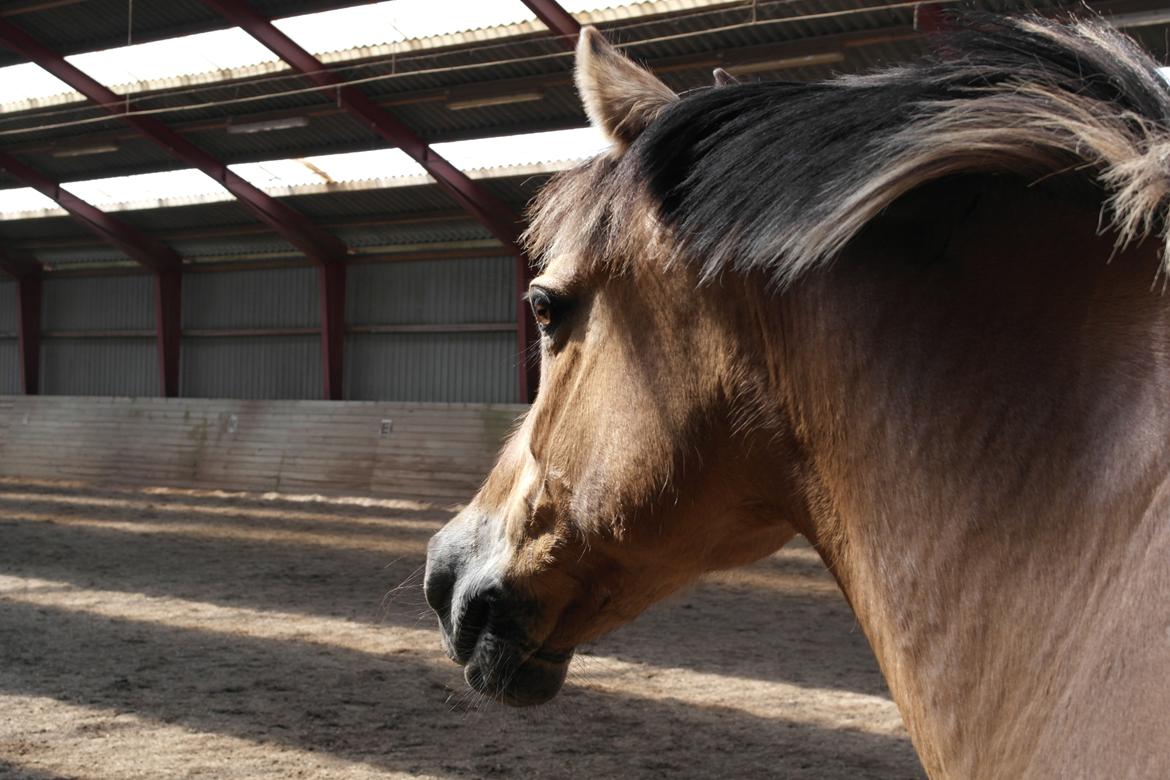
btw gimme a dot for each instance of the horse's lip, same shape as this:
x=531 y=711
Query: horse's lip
x=517 y=677
x=549 y=655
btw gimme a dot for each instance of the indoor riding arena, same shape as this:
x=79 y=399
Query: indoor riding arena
x=262 y=333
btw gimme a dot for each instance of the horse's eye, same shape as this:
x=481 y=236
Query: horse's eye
x=543 y=308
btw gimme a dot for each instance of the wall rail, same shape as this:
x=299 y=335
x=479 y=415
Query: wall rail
x=433 y=452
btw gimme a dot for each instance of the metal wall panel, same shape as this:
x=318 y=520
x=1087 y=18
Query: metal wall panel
x=9 y=346
x=276 y=298
x=447 y=367
x=98 y=303
x=427 y=233
x=234 y=249
x=81 y=256
x=432 y=291
x=268 y=367
x=9 y=367
x=9 y=317
x=117 y=367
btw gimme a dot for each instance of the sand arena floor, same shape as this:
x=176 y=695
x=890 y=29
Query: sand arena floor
x=151 y=633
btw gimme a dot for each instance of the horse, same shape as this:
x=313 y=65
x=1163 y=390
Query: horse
x=915 y=316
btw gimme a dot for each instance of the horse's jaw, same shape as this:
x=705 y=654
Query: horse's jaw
x=489 y=628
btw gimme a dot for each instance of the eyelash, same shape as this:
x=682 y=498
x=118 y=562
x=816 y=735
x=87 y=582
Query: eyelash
x=546 y=309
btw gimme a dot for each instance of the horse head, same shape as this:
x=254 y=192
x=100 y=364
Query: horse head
x=647 y=458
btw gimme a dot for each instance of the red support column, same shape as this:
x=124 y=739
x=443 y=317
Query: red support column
x=331 y=291
x=527 y=339
x=29 y=303
x=168 y=303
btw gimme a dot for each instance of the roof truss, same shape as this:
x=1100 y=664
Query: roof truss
x=495 y=215
x=317 y=244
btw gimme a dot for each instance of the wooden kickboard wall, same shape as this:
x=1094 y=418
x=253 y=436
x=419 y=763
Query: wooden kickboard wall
x=436 y=452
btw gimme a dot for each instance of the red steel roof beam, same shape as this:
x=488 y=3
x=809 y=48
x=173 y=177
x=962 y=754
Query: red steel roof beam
x=496 y=216
x=318 y=245
x=139 y=247
x=557 y=19
x=321 y=247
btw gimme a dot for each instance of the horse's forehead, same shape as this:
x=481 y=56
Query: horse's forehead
x=563 y=270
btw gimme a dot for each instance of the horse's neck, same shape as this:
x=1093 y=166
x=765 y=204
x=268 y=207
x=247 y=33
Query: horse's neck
x=989 y=432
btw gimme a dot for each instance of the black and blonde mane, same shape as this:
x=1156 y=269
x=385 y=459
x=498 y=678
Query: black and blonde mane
x=780 y=177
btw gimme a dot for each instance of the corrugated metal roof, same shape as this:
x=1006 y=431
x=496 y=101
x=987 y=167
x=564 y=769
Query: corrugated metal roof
x=684 y=45
x=533 y=153
x=393 y=28
x=412 y=235
x=101 y=24
x=366 y=219
x=94 y=255
x=709 y=36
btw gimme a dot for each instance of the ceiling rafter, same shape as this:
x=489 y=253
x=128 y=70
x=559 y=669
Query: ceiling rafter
x=556 y=19
x=139 y=247
x=728 y=57
x=494 y=214
x=320 y=246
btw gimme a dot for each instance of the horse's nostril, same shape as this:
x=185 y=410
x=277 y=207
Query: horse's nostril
x=472 y=623
x=438 y=587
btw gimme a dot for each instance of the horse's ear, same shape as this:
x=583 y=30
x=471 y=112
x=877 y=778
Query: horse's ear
x=723 y=78
x=620 y=98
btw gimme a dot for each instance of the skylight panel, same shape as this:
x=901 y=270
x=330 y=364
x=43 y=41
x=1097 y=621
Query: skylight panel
x=390 y=167
x=556 y=146
x=380 y=165
x=334 y=36
x=150 y=190
x=378 y=168
x=581 y=6
x=395 y=21
x=210 y=53
x=27 y=85
x=377 y=164
x=27 y=202
x=398 y=20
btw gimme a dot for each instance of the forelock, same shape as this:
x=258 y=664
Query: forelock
x=598 y=213
x=780 y=177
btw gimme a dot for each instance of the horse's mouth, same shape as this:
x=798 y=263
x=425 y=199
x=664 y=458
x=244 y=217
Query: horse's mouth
x=504 y=671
